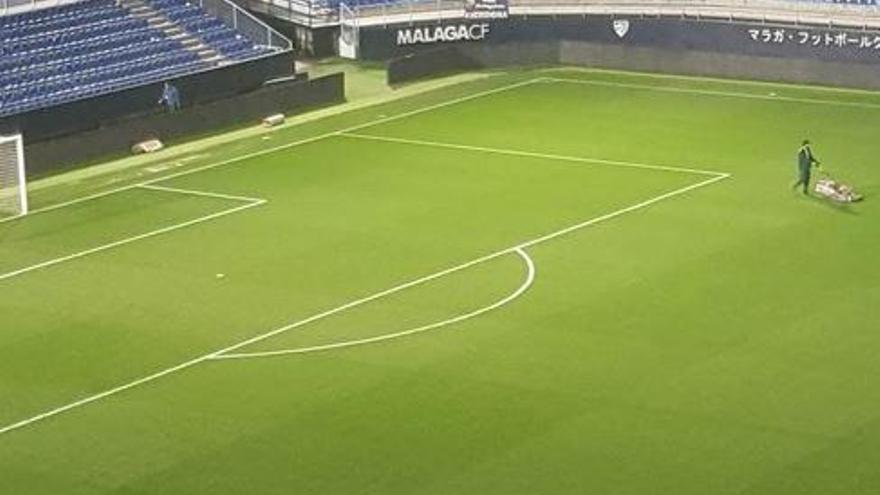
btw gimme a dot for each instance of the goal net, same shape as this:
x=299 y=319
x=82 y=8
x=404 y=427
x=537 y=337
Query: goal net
x=13 y=190
x=348 y=32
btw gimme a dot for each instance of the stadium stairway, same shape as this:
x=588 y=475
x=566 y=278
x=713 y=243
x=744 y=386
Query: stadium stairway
x=159 y=21
x=94 y=47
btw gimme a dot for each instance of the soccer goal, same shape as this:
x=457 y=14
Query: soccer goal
x=13 y=186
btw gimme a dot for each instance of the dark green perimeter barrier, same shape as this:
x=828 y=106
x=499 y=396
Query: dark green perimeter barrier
x=99 y=111
x=429 y=63
x=786 y=53
x=289 y=96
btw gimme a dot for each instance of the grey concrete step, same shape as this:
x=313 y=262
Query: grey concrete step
x=157 y=20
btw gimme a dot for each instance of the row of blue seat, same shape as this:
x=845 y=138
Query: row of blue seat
x=62 y=13
x=74 y=83
x=73 y=22
x=120 y=23
x=57 y=55
x=56 y=12
x=36 y=99
x=16 y=79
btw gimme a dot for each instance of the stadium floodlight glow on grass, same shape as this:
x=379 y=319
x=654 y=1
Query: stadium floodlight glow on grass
x=13 y=182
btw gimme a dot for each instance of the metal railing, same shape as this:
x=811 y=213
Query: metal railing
x=312 y=13
x=243 y=21
x=782 y=11
x=854 y=13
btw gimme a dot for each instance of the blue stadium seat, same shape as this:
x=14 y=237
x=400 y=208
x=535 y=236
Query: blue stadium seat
x=210 y=30
x=94 y=47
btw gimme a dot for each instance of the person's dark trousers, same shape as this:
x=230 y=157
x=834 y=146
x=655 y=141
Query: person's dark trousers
x=803 y=180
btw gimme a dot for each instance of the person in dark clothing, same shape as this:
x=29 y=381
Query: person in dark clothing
x=170 y=97
x=806 y=161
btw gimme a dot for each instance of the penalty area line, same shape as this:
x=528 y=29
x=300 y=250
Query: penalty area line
x=204 y=194
x=352 y=304
x=531 y=154
x=274 y=149
x=249 y=203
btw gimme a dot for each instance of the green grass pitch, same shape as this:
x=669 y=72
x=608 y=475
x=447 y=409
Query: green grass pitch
x=542 y=282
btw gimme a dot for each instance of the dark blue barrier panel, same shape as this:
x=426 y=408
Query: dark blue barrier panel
x=802 y=42
x=104 y=110
x=289 y=97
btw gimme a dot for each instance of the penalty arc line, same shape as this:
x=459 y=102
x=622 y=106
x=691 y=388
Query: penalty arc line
x=527 y=283
x=280 y=330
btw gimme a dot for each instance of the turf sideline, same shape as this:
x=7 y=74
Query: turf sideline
x=358 y=302
x=274 y=149
x=248 y=203
x=527 y=283
x=710 y=92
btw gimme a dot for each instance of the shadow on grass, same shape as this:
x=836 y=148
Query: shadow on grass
x=831 y=204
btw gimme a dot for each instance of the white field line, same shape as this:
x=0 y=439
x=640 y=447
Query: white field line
x=206 y=194
x=529 y=279
x=682 y=77
x=425 y=109
x=622 y=211
x=151 y=184
x=280 y=330
x=250 y=203
x=338 y=309
x=530 y=154
x=274 y=149
x=712 y=92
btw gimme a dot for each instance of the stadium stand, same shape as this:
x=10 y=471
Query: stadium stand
x=59 y=54
x=334 y=4
x=324 y=13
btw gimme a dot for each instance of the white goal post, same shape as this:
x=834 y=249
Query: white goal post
x=13 y=182
x=349 y=36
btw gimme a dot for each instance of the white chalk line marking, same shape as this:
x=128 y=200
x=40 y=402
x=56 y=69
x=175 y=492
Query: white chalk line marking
x=715 y=176
x=249 y=203
x=429 y=108
x=274 y=149
x=152 y=184
x=206 y=194
x=622 y=211
x=180 y=367
x=712 y=92
x=529 y=154
x=527 y=283
x=349 y=305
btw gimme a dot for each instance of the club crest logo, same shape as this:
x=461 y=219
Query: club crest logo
x=621 y=27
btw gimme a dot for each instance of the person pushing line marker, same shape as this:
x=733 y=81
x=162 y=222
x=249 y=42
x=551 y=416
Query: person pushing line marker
x=806 y=161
